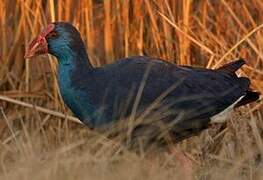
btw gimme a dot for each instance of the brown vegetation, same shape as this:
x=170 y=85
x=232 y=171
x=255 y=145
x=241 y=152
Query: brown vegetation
x=36 y=143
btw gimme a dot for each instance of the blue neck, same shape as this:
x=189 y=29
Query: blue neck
x=72 y=65
x=73 y=57
x=72 y=68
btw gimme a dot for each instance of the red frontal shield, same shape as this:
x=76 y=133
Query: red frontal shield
x=39 y=44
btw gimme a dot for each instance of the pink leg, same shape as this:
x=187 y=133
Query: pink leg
x=185 y=164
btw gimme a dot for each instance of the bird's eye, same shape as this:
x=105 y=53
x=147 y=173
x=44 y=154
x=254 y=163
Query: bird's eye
x=51 y=35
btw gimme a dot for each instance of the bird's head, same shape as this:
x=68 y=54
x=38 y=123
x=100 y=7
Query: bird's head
x=58 y=39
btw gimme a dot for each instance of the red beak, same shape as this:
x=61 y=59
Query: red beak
x=36 y=47
x=39 y=45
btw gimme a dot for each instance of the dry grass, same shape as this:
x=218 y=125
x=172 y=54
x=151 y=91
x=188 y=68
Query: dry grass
x=35 y=144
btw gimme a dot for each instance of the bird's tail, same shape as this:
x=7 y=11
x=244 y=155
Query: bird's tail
x=250 y=96
x=232 y=67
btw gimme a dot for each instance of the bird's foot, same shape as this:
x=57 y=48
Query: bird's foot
x=185 y=164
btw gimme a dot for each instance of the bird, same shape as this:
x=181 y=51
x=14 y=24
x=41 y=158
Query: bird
x=179 y=101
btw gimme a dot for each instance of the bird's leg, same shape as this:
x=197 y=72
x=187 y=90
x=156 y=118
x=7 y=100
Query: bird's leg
x=185 y=164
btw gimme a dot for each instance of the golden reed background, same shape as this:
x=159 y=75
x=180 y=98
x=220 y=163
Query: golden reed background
x=208 y=33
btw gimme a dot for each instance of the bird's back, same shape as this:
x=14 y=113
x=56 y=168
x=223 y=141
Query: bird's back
x=134 y=84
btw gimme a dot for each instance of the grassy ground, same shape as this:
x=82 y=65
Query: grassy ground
x=36 y=143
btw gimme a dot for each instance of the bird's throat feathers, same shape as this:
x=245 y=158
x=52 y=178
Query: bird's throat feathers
x=68 y=54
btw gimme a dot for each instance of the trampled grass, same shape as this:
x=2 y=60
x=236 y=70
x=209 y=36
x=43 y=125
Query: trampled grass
x=37 y=143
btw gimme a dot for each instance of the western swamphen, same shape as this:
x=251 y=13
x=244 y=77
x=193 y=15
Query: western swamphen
x=167 y=98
